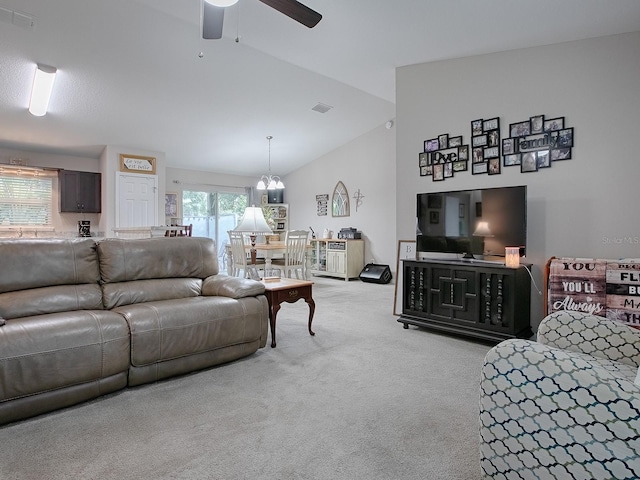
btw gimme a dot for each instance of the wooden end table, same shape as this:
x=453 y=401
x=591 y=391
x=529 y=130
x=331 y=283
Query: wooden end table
x=288 y=290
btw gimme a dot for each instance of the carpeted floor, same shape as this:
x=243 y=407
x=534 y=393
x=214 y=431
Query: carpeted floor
x=363 y=399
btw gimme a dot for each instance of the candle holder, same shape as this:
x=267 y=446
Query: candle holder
x=512 y=257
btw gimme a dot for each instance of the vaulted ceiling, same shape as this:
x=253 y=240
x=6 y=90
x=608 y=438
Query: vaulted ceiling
x=137 y=73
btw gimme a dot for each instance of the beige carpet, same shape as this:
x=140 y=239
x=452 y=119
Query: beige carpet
x=363 y=399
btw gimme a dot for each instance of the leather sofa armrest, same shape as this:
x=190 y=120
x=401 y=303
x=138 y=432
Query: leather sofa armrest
x=597 y=336
x=232 y=287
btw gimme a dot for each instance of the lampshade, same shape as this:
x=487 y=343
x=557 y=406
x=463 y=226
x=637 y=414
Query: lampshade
x=41 y=89
x=222 y=3
x=253 y=222
x=270 y=182
x=482 y=230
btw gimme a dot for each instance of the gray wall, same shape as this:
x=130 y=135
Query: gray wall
x=584 y=207
x=366 y=164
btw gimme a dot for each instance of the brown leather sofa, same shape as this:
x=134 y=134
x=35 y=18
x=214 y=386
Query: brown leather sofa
x=79 y=318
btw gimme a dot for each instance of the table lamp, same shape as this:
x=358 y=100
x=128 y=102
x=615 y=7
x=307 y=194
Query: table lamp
x=253 y=223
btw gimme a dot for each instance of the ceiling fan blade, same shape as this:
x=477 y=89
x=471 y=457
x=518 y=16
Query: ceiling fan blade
x=212 y=18
x=293 y=9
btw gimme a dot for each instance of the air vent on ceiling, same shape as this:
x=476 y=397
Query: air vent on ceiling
x=322 y=108
x=19 y=19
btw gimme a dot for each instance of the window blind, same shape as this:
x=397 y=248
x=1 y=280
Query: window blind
x=25 y=200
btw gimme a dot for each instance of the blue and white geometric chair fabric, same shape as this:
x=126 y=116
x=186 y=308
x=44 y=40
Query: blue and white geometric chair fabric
x=565 y=408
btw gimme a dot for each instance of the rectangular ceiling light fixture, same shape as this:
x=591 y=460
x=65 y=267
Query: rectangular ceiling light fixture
x=41 y=90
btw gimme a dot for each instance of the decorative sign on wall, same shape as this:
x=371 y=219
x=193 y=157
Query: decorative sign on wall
x=442 y=157
x=485 y=146
x=607 y=288
x=623 y=292
x=321 y=202
x=137 y=164
x=535 y=143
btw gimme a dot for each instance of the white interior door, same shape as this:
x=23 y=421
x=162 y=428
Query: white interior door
x=137 y=200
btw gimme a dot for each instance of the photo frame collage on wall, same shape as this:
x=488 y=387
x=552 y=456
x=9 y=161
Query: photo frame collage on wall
x=485 y=146
x=532 y=145
x=443 y=156
x=535 y=143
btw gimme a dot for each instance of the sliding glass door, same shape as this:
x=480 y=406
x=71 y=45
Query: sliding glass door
x=213 y=214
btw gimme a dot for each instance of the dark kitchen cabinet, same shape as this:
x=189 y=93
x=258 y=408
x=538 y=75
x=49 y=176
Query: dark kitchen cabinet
x=80 y=192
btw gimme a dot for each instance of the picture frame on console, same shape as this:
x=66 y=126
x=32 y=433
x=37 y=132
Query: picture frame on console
x=406 y=251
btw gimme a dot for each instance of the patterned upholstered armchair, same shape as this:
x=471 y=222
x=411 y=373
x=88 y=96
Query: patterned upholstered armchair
x=565 y=406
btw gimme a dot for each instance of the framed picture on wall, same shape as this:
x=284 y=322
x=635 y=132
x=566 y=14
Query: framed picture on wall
x=520 y=129
x=171 y=204
x=553 y=124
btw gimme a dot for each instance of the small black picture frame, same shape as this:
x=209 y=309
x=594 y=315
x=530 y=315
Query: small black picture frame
x=565 y=138
x=543 y=159
x=437 y=174
x=460 y=166
x=455 y=141
x=478 y=155
x=529 y=162
x=434 y=217
x=476 y=127
x=491 y=152
x=431 y=145
x=423 y=159
x=509 y=146
x=443 y=141
x=479 y=168
x=494 y=166
x=537 y=124
x=520 y=129
x=553 y=124
x=558 y=154
x=463 y=152
x=479 y=140
x=491 y=124
x=511 y=160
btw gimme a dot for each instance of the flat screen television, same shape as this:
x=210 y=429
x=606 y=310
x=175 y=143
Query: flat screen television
x=472 y=222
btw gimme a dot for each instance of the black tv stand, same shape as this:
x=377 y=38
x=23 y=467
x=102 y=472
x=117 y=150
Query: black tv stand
x=484 y=300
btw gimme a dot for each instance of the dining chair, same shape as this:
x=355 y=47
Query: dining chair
x=294 y=255
x=241 y=254
x=186 y=230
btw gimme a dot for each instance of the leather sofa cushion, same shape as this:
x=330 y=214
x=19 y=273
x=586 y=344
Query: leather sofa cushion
x=232 y=287
x=151 y=258
x=34 y=263
x=61 y=298
x=171 y=329
x=48 y=352
x=139 y=291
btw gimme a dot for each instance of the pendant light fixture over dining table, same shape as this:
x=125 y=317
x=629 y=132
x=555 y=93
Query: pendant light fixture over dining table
x=270 y=182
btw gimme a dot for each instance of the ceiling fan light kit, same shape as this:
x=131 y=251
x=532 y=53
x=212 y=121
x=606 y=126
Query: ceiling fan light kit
x=222 y=3
x=213 y=14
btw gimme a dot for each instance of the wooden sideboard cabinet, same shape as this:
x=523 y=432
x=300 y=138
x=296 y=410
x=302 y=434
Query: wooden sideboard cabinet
x=338 y=257
x=80 y=192
x=485 y=300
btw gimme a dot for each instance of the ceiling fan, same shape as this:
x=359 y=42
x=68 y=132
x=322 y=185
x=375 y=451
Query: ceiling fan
x=213 y=14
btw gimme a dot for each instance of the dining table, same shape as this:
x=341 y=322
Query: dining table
x=277 y=250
